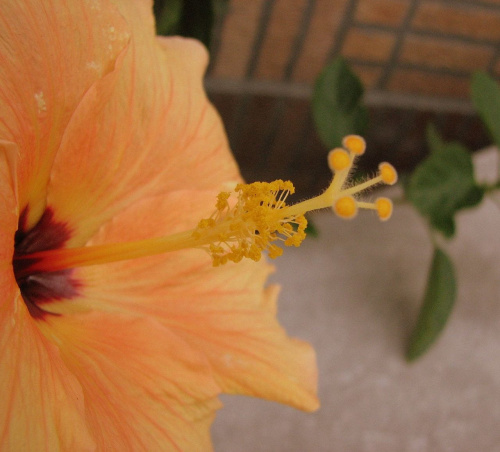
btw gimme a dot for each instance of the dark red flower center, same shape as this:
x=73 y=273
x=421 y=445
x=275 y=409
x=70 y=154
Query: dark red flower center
x=40 y=288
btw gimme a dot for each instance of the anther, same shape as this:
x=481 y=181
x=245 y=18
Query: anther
x=222 y=200
x=355 y=144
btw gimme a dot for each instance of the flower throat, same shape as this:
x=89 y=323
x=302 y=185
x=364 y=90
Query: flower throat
x=40 y=287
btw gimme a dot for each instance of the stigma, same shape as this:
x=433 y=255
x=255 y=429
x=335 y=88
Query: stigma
x=247 y=221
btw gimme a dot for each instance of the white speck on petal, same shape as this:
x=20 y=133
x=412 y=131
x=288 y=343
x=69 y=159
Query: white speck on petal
x=94 y=66
x=228 y=359
x=40 y=102
x=94 y=4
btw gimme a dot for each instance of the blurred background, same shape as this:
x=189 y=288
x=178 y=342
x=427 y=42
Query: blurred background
x=414 y=57
x=355 y=292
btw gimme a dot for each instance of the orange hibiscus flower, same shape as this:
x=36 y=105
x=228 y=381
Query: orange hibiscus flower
x=107 y=136
x=110 y=155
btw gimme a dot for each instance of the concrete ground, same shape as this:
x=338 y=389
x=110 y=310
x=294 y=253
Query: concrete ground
x=354 y=294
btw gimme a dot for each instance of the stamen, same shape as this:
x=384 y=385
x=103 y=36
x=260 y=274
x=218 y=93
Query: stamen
x=247 y=221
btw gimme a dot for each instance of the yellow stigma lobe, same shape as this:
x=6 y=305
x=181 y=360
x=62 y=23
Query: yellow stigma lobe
x=388 y=173
x=346 y=207
x=354 y=144
x=384 y=208
x=248 y=220
x=339 y=159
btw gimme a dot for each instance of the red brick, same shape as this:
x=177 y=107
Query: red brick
x=237 y=38
x=445 y=53
x=369 y=75
x=472 y=21
x=280 y=36
x=324 y=25
x=381 y=12
x=368 y=45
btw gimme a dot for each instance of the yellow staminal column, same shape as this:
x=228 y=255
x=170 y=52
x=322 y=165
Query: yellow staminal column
x=247 y=221
x=261 y=216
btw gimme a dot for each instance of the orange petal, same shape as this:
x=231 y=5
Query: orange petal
x=222 y=312
x=42 y=402
x=250 y=353
x=9 y=209
x=154 y=134
x=50 y=55
x=144 y=388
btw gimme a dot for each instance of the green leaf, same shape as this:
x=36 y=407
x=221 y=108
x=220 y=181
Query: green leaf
x=197 y=20
x=311 y=229
x=434 y=140
x=485 y=95
x=437 y=305
x=168 y=16
x=336 y=104
x=190 y=18
x=443 y=184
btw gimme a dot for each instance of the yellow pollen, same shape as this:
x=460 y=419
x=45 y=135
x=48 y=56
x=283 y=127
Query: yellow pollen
x=388 y=173
x=258 y=218
x=355 y=144
x=384 y=208
x=222 y=200
x=248 y=220
x=339 y=159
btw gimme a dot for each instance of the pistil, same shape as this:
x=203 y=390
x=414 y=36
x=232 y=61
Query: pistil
x=245 y=222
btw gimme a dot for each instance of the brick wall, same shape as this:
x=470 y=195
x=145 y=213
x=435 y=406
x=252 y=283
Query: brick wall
x=415 y=58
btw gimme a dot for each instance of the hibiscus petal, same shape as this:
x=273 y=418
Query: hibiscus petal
x=42 y=403
x=9 y=211
x=221 y=311
x=152 y=132
x=144 y=388
x=51 y=52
